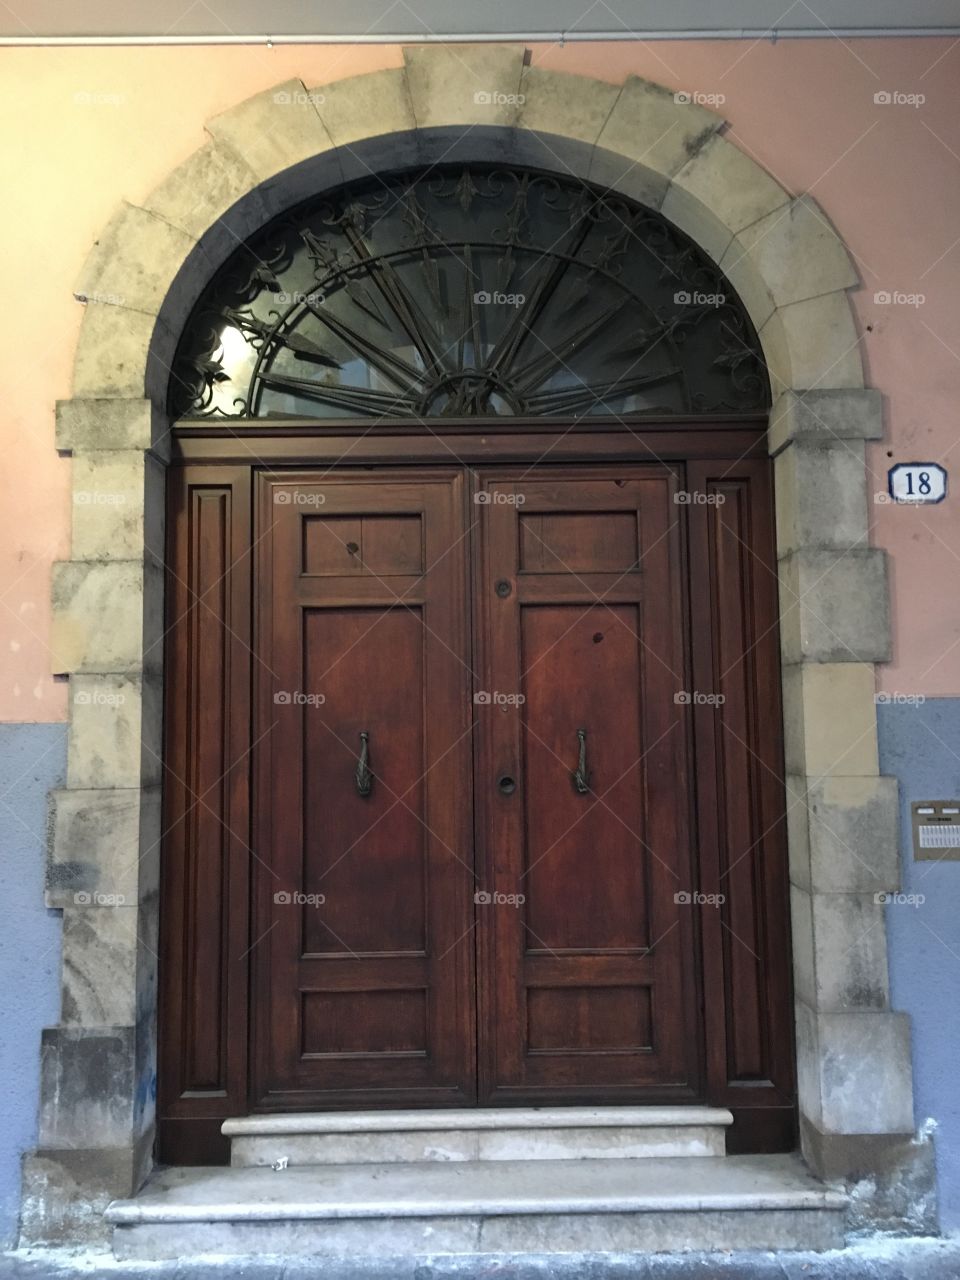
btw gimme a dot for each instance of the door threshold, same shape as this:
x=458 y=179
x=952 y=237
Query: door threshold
x=475 y=1118
x=472 y=1134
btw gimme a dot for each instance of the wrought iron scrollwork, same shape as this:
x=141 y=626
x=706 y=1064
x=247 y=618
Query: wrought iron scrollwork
x=467 y=291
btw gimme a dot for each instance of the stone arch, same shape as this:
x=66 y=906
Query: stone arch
x=792 y=272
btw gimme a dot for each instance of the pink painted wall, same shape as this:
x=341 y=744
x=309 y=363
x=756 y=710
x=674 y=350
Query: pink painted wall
x=88 y=127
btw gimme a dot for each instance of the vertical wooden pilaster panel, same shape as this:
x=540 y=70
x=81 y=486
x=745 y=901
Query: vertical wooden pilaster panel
x=741 y=800
x=205 y=854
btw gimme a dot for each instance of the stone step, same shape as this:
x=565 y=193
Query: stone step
x=532 y=1206
x=538 y=1133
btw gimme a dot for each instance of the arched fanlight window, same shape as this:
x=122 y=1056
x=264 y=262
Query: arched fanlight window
x=467 y=291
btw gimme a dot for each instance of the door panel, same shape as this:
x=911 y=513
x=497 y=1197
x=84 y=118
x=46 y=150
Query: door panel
x=364 y=974
x=588 y=947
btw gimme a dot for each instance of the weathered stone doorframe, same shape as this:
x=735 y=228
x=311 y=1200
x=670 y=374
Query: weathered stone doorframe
x=792 y=272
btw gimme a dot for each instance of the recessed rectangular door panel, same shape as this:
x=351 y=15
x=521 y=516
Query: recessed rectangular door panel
x=364 y=912
x=589 y=989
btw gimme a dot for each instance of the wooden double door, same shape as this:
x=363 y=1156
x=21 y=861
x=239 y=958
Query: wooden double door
x=444 y=929
x=512 y=836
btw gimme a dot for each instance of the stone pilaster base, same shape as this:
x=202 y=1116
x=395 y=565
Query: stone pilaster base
x=891 y=1177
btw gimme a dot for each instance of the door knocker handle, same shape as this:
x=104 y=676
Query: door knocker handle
x=362 y=775
x=581 y=778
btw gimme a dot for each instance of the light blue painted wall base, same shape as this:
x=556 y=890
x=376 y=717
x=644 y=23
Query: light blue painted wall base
x=32 y=761
x=920 y=745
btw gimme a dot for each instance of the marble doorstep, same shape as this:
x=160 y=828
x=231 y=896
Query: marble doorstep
x=559 y=1206
x=542 y=1133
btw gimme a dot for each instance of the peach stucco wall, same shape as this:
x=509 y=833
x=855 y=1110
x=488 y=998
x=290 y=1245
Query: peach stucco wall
x=85 y=128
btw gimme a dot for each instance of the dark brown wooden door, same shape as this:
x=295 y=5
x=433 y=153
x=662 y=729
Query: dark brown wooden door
x=582 y=787
x=364 y=967
x=477 y=928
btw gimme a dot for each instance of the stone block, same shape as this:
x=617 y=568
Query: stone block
x=854 y=835
x=854 y=1071
x=647 y=138
x=134 y=262
x=568 y=107
x=273 y=130
x=101 y=956
x=102 y=612
x=464 y=84
x=787 y=256
x=844 y=960
x=821 y=497
x=834 y=606
x=103 y=843
x=363 y=106
x=117 y=506
x=821 y=417
x=114 y=735
x=85 y=425
x=205 y=190
x=830 y=723
x=87 y=1086
x=812 y=344
x=718 y=192
x=112 y=353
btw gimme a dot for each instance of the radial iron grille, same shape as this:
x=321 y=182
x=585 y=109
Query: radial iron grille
x=467 y=291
